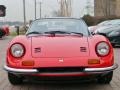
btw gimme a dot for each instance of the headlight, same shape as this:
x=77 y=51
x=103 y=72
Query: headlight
x=17 y=50
x=102 y=49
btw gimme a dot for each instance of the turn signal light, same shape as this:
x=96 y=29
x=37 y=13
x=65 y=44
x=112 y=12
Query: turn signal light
x=28 y=63
x=93 y=61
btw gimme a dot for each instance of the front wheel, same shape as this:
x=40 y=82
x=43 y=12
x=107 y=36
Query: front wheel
x=14 y=79
x=106 y=79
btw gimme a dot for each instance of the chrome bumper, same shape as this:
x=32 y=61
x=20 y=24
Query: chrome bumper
x=105 y=69
x=86 y=70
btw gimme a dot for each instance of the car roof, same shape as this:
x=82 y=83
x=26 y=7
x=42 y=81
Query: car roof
x=59 y=18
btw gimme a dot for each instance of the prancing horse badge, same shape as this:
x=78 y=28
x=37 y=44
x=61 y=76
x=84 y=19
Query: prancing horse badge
x=61 y=60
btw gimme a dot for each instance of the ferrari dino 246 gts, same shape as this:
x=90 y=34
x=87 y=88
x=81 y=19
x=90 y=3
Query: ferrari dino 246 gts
x=59 y=47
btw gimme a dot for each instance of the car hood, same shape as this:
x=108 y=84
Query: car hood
x=59 y=47
x=107 y=29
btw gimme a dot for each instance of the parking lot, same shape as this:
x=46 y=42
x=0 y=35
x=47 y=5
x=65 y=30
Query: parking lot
x=89 y=85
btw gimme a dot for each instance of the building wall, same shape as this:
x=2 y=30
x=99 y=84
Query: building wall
x=106 y=7
x=97 y=8
x=118 y=8
x=113 y=5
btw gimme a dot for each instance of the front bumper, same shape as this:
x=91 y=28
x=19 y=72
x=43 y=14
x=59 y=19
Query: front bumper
x=86 y=70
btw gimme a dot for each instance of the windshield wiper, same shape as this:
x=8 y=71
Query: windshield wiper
x=34 y=32
x=63 y=32
x=59 y=32
x=77 y=33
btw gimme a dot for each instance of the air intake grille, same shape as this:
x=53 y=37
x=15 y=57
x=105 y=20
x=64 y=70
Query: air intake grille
x=37 y=50
x=83 y=49
x=61 y=69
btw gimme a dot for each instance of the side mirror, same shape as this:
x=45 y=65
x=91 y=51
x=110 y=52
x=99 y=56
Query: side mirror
x=92 y=33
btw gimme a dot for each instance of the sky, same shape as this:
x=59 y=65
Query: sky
x=14 y=11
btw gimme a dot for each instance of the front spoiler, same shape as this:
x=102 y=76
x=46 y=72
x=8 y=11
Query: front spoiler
x=86 y=70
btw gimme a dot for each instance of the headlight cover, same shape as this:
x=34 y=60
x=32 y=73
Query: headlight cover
x=17 y=50
x=102 y=49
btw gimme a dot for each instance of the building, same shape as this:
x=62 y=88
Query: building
x=65 y=8
x=118 y=8
x=106 y=7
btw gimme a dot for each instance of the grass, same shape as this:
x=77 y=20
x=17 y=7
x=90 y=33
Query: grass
x=13 y=34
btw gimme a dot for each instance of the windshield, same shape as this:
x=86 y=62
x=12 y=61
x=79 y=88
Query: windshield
x=67 y=25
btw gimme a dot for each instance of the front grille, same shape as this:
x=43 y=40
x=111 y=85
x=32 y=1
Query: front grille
x=60 y=69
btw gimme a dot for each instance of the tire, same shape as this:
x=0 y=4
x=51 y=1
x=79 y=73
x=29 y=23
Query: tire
x=14 y=79
x=106 y=79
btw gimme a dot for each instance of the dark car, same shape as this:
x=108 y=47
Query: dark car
x=111 y=32
x=106 y=23
x=2 y=32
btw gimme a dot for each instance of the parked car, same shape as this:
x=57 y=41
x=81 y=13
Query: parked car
x=59 y=48
x=106 y=23
x=4 y=31
x=111 y=32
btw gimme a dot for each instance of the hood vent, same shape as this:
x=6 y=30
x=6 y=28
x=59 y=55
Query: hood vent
x=83 y=49
x=37 y=50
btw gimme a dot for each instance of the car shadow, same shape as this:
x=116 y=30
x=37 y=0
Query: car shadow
x=62 y=85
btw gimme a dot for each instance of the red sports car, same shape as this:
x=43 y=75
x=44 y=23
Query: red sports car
x=59 y=48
